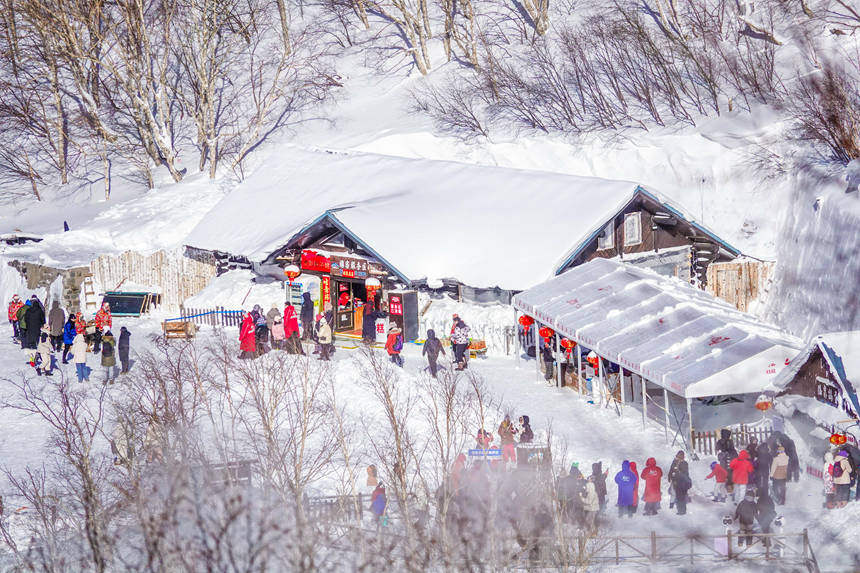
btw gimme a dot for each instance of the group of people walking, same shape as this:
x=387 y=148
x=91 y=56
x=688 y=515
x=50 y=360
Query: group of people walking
x=70 y=335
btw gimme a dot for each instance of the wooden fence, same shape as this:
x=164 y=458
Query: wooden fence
x=740 y=282
x=706 y=442
x=176 y=276
x=218 y=316
x=337 y=508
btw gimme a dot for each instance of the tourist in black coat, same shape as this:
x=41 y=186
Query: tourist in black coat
x=681 y=485
x=791 y=452
x=35 y=317
x=765 y=513
x=762 y=470
x=599 y=478
x=746 y=514
x=307 y=317
x=432 y=349
x=123 y=347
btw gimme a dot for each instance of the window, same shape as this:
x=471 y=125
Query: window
x=632 y=229
x=606 y=240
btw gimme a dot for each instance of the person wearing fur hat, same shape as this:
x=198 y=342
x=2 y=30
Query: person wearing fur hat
x=394 y=344
x=779 y=475
x=14 y=306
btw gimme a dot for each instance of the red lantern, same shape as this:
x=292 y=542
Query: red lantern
x=763 y=406
x=838 y=439
x=546 y=332
x=526 y=322
x=568 y=346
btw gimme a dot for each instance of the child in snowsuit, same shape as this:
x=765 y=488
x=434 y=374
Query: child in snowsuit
x=69 y=332
x=432 y=348
x=719 y=474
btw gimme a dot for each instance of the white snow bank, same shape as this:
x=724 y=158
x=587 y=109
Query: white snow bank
x=236 y=290
x=816 y=277
x=488 y=322
x=145 y=223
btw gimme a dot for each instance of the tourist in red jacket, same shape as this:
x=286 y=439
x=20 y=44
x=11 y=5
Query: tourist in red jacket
x=103 y=322
x=14 y=307
x=720 y=475
x=247 y=338
x=651 y=495
x=291 y=331
x=741 y=468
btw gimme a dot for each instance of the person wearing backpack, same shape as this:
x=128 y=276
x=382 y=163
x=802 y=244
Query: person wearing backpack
x=394 y=345
x=69 y=333
x=378 y=502
x=109 y=357
x=842 y=478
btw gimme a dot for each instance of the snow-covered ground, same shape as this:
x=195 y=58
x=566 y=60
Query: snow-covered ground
x=582 y=433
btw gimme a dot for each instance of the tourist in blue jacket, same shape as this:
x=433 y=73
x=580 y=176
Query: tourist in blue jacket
x=626 y=481
x=68 y=337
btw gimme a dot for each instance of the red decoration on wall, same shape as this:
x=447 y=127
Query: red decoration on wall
x=313 y=261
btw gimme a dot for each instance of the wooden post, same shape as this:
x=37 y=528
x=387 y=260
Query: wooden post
x=517 y=338
x=601 y=379
x=690 y=420
x=558 y=363
x=579 y=370
x=621 y=381
x=653 y=546
x=666 y=412
x=644 y=400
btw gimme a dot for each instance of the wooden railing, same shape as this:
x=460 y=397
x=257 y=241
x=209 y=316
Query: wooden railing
x=706 y=442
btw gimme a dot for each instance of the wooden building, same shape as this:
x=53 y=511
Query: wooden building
x=820 y=381
x=649 y=232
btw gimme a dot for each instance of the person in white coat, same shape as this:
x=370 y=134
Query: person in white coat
x=45 y=350
x=79 y=353
x=591 y=505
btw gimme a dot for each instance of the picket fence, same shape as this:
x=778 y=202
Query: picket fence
x=218 y=316
x=706 y=442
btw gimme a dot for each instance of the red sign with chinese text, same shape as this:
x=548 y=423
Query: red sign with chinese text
x=313 y=261
x=395 y=305
x=325 y=294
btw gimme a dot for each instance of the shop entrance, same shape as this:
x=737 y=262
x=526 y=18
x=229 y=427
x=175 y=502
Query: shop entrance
x=349 y=300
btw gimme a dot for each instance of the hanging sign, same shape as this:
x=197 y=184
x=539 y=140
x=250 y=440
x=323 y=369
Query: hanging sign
x=313 y=261
x=348 y=268
x=325 y=291
x=826 y=392
x=395 y=304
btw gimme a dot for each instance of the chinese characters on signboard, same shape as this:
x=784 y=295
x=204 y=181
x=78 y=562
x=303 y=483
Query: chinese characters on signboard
x=395 y=305
x=348 y=268
x=826 y=392
x=325 y=291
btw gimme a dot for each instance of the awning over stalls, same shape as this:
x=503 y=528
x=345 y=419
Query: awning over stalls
x=671 y=333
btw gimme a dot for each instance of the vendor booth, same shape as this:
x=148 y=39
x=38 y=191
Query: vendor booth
x=665 y=338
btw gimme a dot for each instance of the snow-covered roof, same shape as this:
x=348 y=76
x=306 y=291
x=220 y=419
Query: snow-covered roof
x=673 y=334
x=841 y=350
x=484 y=226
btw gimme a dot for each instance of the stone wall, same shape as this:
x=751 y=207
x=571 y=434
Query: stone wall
x=41 y=276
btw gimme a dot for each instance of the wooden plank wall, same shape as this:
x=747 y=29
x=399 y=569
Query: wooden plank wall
x=178 y=277
x=739 y=282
